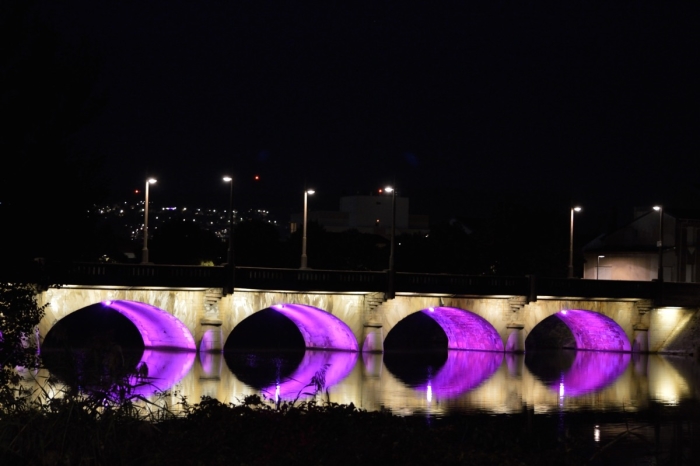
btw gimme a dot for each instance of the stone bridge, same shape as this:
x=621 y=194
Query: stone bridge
x=183 y=308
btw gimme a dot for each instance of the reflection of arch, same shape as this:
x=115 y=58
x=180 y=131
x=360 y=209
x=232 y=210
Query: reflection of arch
x=320 y=329
x=338 y=365
x=463 y=371
x=465 y=330
x=591 y=371
x=160 y=370
x=158 y=328
x=594 y=331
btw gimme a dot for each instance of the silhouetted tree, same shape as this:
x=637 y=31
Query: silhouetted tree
x=20 y=314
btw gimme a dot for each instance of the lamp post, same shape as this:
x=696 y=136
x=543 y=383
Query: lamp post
x=229 y=253
x=571 y=242
x=597 y=269
x=307 y=193
x=392 y=272
x=144 y=253
x=660 y=242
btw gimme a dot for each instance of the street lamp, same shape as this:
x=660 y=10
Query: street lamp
x=660 y=242
x=307 y=193
x=229 y=253
x=144 y=253
x=571 y=242
x=597 y=269
x=392 y=272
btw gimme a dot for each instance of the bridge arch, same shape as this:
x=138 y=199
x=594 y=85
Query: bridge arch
x=586 y=330
x=462 y=329
x=156 y=328
x=298 y=325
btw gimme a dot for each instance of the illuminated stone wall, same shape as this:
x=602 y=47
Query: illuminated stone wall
x=661 y=330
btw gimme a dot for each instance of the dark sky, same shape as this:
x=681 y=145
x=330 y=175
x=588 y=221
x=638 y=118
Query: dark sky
x=458 y=101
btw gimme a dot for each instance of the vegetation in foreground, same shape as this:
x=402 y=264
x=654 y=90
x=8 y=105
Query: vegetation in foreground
x=112 y=425
x=106 y=429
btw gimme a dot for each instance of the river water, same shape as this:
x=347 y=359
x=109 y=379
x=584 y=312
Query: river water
x=441 y=383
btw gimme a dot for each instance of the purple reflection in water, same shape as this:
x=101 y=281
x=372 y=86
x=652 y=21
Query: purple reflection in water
x=320 y=329
x=463 y=371
x=160 y=370
x=591 y=371
x=594 y=331
x=158 y=328
x=340 y=363
x=465 y=330
x=211 y=362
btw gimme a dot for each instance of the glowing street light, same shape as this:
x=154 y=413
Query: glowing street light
x=229 y=255
x=307 y=193
x=597 y=269
x=144 y=253
x=392 y=272
x=571 y=242
x=660 y=242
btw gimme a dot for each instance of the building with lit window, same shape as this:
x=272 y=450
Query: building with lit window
x=633 y=252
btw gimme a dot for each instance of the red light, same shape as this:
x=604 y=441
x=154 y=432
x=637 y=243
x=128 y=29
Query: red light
x=256 y=177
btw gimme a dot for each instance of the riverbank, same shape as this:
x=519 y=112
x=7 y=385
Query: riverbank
x=81 y=432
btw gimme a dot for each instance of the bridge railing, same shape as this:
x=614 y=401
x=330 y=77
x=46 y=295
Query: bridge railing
x=463 y=285
x=172 y=276
x=309 y=280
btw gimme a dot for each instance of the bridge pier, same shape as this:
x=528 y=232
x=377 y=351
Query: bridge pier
x=373 y=338
x=515 y=341
x=211 y=339
x=640 y=339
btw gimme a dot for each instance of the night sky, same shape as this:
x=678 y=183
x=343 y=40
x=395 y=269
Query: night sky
x=458 y=102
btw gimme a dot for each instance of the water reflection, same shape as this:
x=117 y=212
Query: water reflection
x=574 y=373
x=463 y=381
x=333 y=365
x=117 y=373
x=454 y=374
x=159 y=371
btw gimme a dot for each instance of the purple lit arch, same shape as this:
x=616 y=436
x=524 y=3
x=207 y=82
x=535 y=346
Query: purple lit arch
x=594 y=331
x=320 y=329
x=465 y=330
x=158 y=329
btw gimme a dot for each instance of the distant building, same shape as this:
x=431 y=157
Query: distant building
x=366 y=214
x=632 y=252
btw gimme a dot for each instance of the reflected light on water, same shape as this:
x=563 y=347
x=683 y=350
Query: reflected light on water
x=159 y=370
x=335 y=366
x=462 y=372
x=592 y=371
x=666 y=384
x=468 y=381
